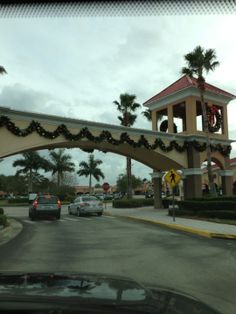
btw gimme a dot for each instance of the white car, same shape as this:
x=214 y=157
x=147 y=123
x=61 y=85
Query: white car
x=86 y=205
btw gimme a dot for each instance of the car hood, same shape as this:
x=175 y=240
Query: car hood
x=96 y=289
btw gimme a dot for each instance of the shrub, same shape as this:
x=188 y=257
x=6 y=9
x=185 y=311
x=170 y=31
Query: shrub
x=1 y=211
x=65 y=193
x=209 y=205
x=3 y=220
x=125 y=203
x=221 y=214
x=18 y=200
x=166 y=203
x=209 y=199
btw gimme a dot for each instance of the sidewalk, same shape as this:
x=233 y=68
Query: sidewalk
x=10 y=232
x=160 y=217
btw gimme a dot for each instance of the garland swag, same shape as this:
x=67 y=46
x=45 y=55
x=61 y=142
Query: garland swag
x=62 y=129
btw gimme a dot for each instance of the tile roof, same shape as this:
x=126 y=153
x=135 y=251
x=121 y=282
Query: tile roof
x=183 y=83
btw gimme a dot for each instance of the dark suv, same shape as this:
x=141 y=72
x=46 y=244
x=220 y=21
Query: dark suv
x=45 y=205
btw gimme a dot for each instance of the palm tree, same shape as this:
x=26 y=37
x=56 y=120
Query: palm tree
x=200 y=61
x=30 y=163
x=147 y=114
x=91 y=169
x=60 y=163
x=127 y=106
x=2 y=70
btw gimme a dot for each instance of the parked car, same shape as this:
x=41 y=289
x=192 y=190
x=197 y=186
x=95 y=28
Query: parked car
x=149 y=194
x=117 y=196
x=100 y=197
x=108 y=197
x=45 y=205
x=86 y=205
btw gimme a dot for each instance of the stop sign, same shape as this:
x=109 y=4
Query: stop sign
x=106 y=186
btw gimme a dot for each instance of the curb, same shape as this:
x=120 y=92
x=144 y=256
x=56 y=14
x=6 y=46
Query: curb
x=203 y=233
x=10 y=232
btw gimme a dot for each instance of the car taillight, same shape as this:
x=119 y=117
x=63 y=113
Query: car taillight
x=35 y=204
x=58 y=204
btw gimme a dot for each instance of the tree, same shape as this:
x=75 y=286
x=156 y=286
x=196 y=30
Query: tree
x=90 y=169
x=200 y=61
x=2 y=70
x=147 y=114
x=127 y=106
x=16 y=184
x=121 y=182
x=30 y=162
x=60 y=163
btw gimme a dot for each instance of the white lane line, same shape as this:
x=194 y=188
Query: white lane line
x=71 y=219
x=29 y=221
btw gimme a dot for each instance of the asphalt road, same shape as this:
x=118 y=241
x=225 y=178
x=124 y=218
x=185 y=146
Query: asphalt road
x=155 y=256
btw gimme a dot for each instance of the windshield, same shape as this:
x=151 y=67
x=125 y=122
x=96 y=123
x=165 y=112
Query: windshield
x=121 y=120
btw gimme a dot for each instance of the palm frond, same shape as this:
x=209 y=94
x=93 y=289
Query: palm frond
x=147 y=114
x=187 y=71
x=2 y=70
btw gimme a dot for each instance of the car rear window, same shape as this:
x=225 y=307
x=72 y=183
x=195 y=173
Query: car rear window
x=89 y=198
x=47 y=199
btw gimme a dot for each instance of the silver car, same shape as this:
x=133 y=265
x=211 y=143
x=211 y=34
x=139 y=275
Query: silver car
x=86 y=205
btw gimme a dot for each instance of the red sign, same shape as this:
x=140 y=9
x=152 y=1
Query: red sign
x=106 y=186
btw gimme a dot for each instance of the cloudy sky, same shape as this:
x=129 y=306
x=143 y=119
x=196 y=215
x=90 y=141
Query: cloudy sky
x=76 y=67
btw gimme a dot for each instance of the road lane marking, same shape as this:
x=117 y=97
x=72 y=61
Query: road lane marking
x=29 y=221
x=110 y=217
x=71 y=219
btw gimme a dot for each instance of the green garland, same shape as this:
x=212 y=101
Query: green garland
x=106 y=136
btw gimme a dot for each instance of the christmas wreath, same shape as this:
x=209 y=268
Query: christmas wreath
x=214 y=119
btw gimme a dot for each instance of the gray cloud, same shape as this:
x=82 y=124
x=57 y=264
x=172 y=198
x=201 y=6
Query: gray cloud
x=77 y=67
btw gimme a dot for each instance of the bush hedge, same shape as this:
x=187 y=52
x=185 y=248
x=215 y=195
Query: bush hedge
x=209 y=199
x=125 y=203
x=1 y=211
x=18 y=200
x=209 y=205
x=167 y=202
x=3 y=221
x=221 y=214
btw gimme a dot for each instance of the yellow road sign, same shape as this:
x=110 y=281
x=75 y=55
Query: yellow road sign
x=172 y=177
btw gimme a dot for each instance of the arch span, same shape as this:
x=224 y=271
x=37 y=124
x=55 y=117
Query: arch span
x=24 y=131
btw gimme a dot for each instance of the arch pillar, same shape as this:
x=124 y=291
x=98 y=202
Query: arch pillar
x=157 y=188
x=192 y=178
x=227 y=181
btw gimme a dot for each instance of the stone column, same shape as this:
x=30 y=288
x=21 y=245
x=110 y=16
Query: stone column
x=170 y=119
x=225 y=121
x=193 y=175
x=154 y=120
x=190 y=107
x=227 y=181
x=192 y=178
x=157 y=188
